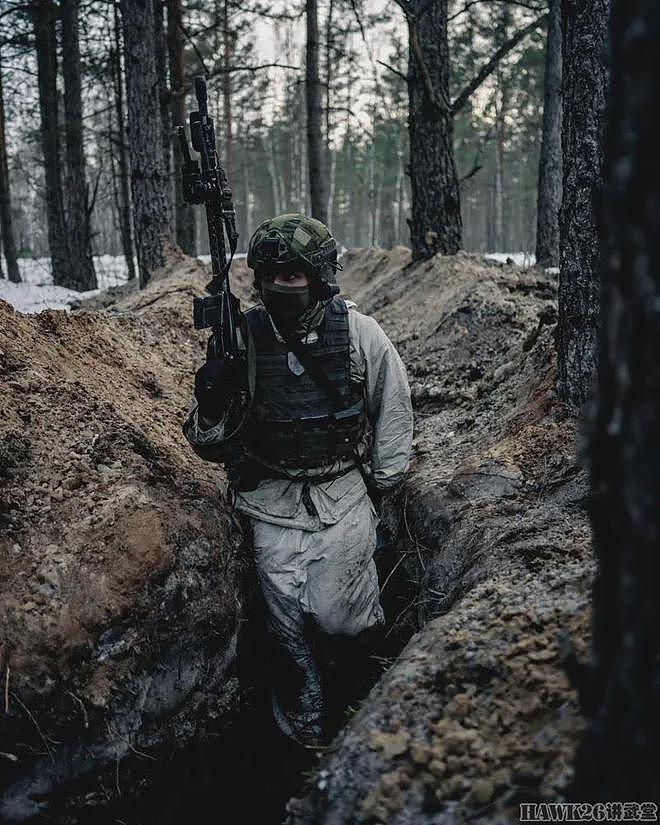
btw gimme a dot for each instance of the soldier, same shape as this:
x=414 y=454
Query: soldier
x=330 y=424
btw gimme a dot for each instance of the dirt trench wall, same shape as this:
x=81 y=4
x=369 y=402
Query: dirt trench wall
x=120 y=569
x=121 y=573
x=477 y=714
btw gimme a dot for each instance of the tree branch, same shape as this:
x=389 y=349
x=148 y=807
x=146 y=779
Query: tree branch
x=406 y=7
x=356 y=14
x=471 y=173
x=489 y=67
x=194 y=46
x=531 y=6
x=229 y=69
x=477 y=165
x=392 y=69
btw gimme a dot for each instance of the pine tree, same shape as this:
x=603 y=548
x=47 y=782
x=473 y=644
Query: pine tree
x=184 y=220
x=436 y=215
x=122 y=186
x=313 y=89
x=585 y=28
x=82 y=275
x=42 y=13
x=150 y=183
x=550 y=165
x=6 y=221
x=619 y=758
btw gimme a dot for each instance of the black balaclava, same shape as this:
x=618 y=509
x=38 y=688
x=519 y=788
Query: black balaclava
x=293 y=309
x=285 y=304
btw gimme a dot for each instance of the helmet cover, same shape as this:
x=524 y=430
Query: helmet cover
x=293 y=242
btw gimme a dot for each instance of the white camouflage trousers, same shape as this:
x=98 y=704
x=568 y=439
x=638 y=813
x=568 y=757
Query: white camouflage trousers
x=326 y=577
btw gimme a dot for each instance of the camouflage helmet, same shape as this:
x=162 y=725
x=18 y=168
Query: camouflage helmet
x=295 y=242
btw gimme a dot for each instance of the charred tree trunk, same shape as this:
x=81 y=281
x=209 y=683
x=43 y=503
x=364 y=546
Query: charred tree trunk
x=8 y=243
x=550 y=164
x=43 y=21
x=149 y=181
x=436 y=210
x=585 y=28
x=124 y=192
x=314 y=96
x=184 y=220
x=619 y=758
x=78 y=211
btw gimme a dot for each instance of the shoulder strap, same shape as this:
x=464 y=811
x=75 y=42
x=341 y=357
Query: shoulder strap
x=316 y=372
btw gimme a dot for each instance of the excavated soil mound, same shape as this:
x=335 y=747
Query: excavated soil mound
x=118 y=594
x=476 y=715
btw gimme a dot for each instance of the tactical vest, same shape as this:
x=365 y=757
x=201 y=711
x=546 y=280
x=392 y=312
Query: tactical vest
x=294 y=423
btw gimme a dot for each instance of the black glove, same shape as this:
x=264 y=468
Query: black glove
x=216 y=383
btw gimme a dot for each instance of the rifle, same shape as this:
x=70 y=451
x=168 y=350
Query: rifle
x=209 y=185
x=205 y=181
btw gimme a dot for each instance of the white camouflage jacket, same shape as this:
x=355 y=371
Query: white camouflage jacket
x=374 y=361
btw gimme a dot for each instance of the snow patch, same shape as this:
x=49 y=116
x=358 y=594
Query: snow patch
x=36 y=292
x=525 y=259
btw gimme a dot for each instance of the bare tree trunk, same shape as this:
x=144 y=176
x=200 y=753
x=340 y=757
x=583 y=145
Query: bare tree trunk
x=501 y=241
x=348 y=143
x=43 y=20
x=585 y=28
x=304 y=192
x=332 y=180
x=436 y=211
x=246 y=216
x=550 y=165
x=499 y=183
x=329 y=155
x=227 y=41
x=78 y=209
x=8 y=242
x=619 y=757
x=124 y=199
x=160 y=50
x=295 y=166
x=397 y=207
x=313 y=91
x=269 y=149
x=183 y=212
x=149 y=181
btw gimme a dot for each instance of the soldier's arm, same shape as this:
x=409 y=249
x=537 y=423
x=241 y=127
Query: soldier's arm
x=213 y=417
x=206 y=437
x=388 y=401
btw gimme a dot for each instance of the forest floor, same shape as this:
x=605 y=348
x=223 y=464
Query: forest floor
x=122 y=573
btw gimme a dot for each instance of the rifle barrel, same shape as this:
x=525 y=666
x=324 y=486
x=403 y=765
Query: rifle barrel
x=201 y=95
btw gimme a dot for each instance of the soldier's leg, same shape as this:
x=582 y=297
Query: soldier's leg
x=342 y=596
x=297 y=696
x=341 y=589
